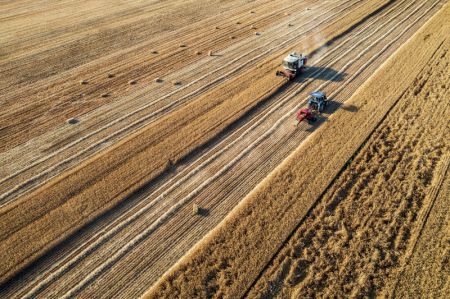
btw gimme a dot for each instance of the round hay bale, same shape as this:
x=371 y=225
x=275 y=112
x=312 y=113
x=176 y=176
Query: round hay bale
x=210 y=53
x=158 y=80
x=257 y=33
x=111 y=75
x=195 y=209
x=72 y=121
x=83 y=82
x=176 y=83
x=132 y=82
x=105 y=95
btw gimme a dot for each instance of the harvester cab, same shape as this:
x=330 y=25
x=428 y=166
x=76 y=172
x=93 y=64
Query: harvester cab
x=317 y=101
x=292 y=64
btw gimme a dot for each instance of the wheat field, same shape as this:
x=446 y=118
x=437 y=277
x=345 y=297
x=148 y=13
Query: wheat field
x=147 y=147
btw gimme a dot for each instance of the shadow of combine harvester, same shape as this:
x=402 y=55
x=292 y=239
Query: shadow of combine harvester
x=321 y=74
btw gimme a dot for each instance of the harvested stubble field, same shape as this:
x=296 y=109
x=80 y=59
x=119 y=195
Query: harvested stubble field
x=105 y=158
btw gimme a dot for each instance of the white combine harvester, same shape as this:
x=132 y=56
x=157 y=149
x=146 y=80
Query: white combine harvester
x=293 y=64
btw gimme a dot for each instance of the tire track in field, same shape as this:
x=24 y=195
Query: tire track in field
x=423 y=218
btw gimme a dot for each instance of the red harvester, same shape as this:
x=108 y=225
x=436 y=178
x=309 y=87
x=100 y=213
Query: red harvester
x=306 y=113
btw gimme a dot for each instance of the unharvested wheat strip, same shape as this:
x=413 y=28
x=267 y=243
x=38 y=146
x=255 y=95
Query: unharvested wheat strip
x=196 y=191
x=215 y=246
x=140 y=122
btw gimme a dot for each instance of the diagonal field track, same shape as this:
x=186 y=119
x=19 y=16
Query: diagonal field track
x=133 y=244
